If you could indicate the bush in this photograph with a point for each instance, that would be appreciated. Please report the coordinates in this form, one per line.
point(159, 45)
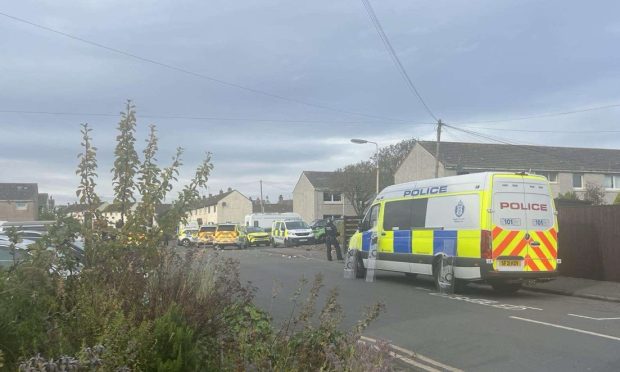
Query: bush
point(132, 304)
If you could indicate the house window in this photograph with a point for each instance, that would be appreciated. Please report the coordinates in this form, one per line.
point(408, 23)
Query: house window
point(214, 209)
point(577, 180)
point(209, 209)
point(21, 206)
point(332, 197)
point(612, 181)
point(551, 176)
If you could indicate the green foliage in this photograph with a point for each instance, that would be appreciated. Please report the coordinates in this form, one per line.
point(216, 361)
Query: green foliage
point(133, 304)
point(595, 194)
point(126, 160)
point(390, 158)
point(569, 195)
point(617, 199)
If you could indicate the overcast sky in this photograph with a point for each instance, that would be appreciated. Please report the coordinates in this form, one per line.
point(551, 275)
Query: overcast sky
point(471, 61)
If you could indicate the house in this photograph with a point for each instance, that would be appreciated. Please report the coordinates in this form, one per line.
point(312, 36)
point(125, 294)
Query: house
point(282, 206)
point(316, 196)
point(19, 201)
point(46, 203)
point(230, 206)
point(112, 212)
point(77, 211)
point(567, 168)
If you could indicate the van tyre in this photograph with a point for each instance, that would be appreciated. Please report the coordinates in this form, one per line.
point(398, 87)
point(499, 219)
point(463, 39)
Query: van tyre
point(358, 264)
point(186, 242)
point(506, 287)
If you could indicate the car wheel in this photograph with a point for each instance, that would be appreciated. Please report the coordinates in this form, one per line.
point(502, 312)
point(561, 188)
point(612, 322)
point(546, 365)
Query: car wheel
point(186, 242)
point(506, 287)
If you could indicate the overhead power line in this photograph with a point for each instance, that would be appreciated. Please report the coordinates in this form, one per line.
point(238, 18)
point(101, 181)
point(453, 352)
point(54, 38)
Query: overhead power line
point(192, 73)
point(547, 131)
point(537, 116)
point(394, 56)
point(204, 118)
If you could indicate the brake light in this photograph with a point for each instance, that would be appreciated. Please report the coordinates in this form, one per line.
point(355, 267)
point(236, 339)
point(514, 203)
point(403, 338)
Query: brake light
point(486, 241)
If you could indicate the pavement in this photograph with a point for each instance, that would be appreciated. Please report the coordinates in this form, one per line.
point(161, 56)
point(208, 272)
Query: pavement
point(579, 287)
point(478, 330)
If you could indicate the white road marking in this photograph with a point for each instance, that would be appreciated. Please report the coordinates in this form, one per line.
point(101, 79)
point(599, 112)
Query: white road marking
point(424, 289)
point(484, 302)
point(410, 358)
point(568, 328)
point(589, 317)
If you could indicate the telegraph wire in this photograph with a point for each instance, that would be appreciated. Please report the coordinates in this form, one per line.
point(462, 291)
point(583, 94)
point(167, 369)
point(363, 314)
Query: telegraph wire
point(388, 45)
point(205, 118)
point(537, 116)
point(192, 73)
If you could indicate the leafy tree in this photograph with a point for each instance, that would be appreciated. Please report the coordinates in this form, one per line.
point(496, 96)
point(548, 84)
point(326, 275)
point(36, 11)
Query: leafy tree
point(126, 160)
point(87, 170)
point(390, 158)
point(148, 179)
point(594, 194)
point(358, 184)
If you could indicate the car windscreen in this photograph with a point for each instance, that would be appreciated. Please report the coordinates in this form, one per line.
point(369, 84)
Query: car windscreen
point(208, 228)
point(226, 228)
point(251, 229)
point(292, 225)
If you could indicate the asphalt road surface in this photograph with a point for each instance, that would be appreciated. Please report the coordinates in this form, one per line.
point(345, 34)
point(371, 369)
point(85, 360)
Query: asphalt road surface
point(477, 330)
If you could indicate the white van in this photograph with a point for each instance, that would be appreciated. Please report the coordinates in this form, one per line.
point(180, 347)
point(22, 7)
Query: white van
point(499, 227)
point(265, 220)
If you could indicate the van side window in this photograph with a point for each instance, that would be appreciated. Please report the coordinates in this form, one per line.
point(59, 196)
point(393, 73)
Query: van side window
point(405, 214)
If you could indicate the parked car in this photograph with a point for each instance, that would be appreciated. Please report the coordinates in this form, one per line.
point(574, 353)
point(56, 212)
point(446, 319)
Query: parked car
point(206, 234)
point(229, 234)
point(289, 233)
point(255, 236)
point(187, 237)
point(318, 229)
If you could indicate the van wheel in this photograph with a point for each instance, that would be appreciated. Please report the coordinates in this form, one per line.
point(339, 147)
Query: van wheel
point(273, 243)
point(505, 287)
point(436, 274)
point(286, 243)
point(360, 271)
point(186, 242)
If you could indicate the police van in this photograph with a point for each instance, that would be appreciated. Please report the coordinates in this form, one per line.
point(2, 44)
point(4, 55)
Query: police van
point(500, 228)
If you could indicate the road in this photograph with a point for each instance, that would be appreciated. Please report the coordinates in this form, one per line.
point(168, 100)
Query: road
point(478, 330)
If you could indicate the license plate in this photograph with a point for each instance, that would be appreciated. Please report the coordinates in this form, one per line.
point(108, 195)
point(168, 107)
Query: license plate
point(303, 240)
point(510, 265)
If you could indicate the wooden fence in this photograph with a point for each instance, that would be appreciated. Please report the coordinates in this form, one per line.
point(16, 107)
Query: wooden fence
point(350, 225)
point(589, 241)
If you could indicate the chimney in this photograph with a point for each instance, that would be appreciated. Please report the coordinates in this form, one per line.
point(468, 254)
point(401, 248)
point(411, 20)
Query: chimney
point(210, 195)
point(280, 198)
point(229, 189)
point(221, 191)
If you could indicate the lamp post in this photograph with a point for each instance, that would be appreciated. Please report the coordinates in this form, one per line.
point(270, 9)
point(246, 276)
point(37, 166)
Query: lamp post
point(362, 142)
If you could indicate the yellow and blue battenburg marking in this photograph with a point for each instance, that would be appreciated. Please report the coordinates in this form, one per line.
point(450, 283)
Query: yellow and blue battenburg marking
point(429, 242)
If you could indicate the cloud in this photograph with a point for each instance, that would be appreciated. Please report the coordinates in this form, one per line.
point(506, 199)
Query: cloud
point(474, 60)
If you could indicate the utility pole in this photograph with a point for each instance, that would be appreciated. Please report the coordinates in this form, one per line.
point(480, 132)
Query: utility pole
point(439, 124)
point(262, 207)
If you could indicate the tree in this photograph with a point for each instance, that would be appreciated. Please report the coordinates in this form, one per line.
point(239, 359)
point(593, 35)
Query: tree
point(594, 194)
point(87, 170)
point(357, 182)
point(126, 160)
point(148, 180)
point(390, 158)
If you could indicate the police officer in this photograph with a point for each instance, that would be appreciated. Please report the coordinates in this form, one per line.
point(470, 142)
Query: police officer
point(331, 234)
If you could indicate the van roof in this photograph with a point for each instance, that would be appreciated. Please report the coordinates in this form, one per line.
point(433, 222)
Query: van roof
point(462, 183)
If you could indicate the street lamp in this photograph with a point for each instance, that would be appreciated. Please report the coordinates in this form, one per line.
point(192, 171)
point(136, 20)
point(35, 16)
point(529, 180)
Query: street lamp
point(362, 142)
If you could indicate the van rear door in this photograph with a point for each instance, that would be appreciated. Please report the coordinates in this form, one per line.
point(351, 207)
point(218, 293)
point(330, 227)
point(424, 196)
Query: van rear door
point(509, 223)
point(540, 224)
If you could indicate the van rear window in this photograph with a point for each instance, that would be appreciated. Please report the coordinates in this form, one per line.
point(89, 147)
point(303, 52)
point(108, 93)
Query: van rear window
point(404, 214)
point(226, 228)
point(208, 228)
